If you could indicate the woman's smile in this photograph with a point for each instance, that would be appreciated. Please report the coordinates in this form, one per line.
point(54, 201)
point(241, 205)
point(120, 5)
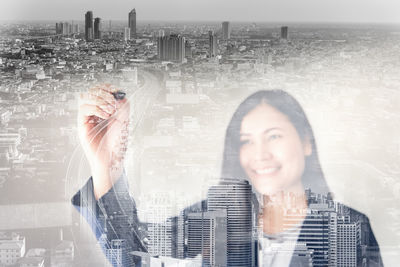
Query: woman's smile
point(266, 171)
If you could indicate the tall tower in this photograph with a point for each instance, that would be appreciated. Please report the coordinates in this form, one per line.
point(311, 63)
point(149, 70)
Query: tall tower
point(347, 241)
point(132, 23)
point(127, 34)
point(89, 26)
point(226, 30)
point(97, 28)
point(207, 235)
point(162, 236)
point(284, 32)
point(318, 233)
point(212, 40)
point(171, 47)
point(234, 196)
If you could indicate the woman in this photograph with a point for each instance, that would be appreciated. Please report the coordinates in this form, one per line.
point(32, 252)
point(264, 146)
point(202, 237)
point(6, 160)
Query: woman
point(270, 151)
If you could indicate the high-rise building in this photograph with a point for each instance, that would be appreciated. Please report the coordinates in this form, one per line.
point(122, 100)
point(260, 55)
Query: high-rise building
point(89, 29)
point(97, 28)
point(162, 236)
point(76, 28)
point(64, 28)
point(226, 30)
point(207, 235)
point(171, 47)
point(235, 197)
point(124, 236)
point(284, 32)
point(317, 235)
point(213, 44)
point(127, 34)
point(58, 28)
point(188, 50)
point(347, 242)
point(132, 23)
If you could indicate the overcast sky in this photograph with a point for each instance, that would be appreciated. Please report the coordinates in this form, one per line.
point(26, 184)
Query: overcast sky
point(372, 11)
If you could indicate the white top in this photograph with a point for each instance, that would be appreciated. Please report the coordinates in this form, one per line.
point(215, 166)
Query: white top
point(277, 250)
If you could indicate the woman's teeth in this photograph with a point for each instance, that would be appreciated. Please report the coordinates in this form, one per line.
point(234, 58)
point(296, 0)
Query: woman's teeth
point(266, 171)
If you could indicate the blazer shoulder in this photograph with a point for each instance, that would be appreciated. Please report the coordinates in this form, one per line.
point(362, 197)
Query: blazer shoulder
point(365, 228)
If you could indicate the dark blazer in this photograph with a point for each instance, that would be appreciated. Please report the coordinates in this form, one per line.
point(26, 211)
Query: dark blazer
point(114, 216)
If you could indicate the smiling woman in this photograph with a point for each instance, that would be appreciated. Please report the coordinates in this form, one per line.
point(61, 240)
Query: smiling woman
point(265, 210)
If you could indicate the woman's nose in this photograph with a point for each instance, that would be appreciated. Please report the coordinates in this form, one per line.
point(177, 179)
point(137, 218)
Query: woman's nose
point(262, 151)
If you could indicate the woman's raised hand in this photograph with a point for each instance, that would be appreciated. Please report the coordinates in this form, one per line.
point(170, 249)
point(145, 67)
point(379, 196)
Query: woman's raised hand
point(103, 132)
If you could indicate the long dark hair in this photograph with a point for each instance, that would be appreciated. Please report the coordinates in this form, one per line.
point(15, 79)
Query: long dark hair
point(313, 176)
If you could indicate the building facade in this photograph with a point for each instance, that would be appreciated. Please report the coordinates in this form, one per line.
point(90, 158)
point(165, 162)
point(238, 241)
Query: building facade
point(171, 48)
point(226, 30)
point(89, 29)
point(132, 23)
point(97, 28)
point(213, 44)
point(235, 198)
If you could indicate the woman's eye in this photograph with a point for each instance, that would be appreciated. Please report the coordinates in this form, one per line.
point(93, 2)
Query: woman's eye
point(244, 142)
point(274, 136)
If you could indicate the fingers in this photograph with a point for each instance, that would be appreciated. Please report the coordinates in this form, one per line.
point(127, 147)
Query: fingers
point(102, 93)
point(87, 110)
point(100, 102)
point(89, 99)
point(99, 96)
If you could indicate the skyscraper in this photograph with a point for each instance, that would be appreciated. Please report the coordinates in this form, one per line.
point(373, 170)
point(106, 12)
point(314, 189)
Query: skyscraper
point(64, 28)
point(171, 47)
point(347, 242)
point(319, 235)
point(58, 28)
point(226, 30)
point(284, 32)
point(76, 28)
point(234, 196)
point(188, 50)
point(162, 236)
point(127, 34)
point(213, 44)
point(89, 34)
point(207, 234)
point(97, 28)
point(132, 23)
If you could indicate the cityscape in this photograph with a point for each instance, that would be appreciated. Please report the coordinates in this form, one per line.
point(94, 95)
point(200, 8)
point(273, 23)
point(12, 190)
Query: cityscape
point(331, 235)
point(184, 80)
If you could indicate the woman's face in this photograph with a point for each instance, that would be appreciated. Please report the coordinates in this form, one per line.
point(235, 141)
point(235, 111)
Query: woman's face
point(272, 153)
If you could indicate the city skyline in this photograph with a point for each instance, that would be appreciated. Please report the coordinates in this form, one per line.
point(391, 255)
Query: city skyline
point(184, 81)
point(341, 11)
